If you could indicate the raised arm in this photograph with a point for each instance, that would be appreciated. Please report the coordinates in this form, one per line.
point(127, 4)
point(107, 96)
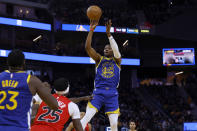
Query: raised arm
point(36, 86)
point(91, 52)
point(113, 43)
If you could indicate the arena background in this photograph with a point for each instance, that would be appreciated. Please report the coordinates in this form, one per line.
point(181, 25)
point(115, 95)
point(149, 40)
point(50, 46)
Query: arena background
point(155, 96)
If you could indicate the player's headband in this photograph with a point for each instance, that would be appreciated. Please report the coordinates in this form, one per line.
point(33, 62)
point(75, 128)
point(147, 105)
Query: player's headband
point(63, 92)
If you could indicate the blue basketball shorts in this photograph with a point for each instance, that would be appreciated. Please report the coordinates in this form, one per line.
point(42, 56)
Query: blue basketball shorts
point(106, 97)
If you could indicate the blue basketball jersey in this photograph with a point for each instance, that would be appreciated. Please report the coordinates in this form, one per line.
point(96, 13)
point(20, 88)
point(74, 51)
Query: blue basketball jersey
point(107, 74)
point(15, 99)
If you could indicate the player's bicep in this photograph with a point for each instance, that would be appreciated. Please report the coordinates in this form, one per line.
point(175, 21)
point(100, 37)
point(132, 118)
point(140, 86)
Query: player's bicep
point(118, 61)
point(75, 115)
point(73, 110)
point(34, 112)
point(93, 54)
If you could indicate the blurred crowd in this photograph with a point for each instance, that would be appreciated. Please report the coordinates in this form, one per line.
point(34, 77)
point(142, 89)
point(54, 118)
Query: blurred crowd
point(123, 13)
point(69, 12)
point(127, 13)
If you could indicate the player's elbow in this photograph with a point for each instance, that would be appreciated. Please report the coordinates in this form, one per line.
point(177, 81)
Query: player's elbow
point(87, 47)
point(117, 55)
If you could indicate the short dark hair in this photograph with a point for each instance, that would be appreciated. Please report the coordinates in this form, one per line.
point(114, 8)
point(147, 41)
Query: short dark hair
point(61, 84)
point(131, 121)
point(16, 58)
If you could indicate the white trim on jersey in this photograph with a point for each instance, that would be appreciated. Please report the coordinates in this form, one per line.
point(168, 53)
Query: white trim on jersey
point(29, 114)
point(63, 92)
point(114, 47)
point(37, 99)
point(119, 79)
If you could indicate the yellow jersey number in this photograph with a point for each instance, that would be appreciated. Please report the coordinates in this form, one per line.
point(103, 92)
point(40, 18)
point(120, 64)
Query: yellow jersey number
point(12, 99)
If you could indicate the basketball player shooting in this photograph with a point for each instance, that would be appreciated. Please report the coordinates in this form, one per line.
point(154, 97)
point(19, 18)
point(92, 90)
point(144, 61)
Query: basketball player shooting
point(106, 79)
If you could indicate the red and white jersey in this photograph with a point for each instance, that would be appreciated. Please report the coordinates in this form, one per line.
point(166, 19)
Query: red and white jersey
point(57, 119)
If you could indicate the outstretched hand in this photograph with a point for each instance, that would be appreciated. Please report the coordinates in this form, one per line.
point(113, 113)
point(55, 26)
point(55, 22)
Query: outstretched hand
point(93, 24)
point(108, 27)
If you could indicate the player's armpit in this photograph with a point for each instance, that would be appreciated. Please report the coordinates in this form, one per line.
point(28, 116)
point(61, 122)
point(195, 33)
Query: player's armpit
point(91, 52)
point(36, 85)
point(118, 61)
point(77, 125)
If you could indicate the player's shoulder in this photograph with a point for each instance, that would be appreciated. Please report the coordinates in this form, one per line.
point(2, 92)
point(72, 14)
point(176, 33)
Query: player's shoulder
point(117, 61)
point(3, 72)
point(64, 98)
point(72, 105)
point(33, 79)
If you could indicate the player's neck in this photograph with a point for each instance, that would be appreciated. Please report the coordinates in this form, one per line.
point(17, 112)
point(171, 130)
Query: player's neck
point(109, 57)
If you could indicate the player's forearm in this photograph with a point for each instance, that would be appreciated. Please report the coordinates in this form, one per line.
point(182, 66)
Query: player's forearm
point(108, 34)
point(76, 100)
point(114, 46)
point(77, 125)
point(89, 41)
point(69, 128)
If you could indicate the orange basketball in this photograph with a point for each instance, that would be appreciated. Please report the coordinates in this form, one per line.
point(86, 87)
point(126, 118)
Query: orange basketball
point(94, 12)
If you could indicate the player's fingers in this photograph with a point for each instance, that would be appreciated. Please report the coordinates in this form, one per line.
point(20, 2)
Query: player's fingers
point(90, 22)
point(94, 22)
